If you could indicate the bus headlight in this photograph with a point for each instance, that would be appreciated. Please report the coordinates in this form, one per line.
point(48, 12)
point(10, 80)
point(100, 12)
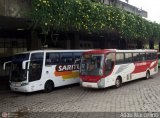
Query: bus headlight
point(24, 84)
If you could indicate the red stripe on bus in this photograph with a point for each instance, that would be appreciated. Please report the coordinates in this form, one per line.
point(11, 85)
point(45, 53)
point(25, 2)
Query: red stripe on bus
point(143, 66)
point(91, 78)
point(154, 65)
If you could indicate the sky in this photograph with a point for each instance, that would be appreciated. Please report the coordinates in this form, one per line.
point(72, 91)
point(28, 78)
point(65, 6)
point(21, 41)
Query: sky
point(151, 6)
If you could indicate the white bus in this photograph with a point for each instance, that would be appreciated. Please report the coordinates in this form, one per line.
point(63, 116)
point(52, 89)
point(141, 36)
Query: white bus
point(44, 69)
point(108, 67)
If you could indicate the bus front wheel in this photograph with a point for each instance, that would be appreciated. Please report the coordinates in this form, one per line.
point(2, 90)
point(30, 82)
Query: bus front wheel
point(118, 82)
point(48, 86)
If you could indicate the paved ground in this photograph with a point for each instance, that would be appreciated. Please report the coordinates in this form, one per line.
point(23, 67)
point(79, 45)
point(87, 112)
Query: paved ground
point(72, 101)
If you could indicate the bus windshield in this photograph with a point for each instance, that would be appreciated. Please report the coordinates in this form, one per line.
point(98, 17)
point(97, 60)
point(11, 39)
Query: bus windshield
point(17, 73)
point(91, 64)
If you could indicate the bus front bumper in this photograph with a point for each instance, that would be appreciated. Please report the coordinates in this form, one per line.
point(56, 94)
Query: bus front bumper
point(99, 84)
point(20, 88)
point(89, 85)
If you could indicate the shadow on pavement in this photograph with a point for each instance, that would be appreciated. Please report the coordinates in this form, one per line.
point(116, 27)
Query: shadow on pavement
point(4, 83)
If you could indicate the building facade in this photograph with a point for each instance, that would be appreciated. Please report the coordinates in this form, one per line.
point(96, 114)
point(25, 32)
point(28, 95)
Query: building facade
point(16, 34)
point(125, 6)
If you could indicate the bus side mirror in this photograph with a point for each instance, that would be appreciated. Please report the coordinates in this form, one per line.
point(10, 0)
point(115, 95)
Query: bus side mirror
point(77, 61)
point(24, 64)
point(106, 61)
point(4, 65)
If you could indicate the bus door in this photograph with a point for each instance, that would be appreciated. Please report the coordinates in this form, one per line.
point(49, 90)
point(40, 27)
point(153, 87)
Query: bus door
point(35, 66)
point(109, 63)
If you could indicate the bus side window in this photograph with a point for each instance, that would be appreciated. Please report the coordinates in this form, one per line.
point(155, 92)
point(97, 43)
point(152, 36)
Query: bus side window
point(77, 57)
point(149, 56)
point(35, 67)
point(109, 62)
point(154, 56)
point(120, 58)
point(52, 58)
point(128, 57)
point(66, 58)
point(136, 57)
point(142, 56)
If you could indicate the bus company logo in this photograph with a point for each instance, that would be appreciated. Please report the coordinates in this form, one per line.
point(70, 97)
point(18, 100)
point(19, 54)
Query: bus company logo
point(4, 115)
point(67, 71)
point(61, 68)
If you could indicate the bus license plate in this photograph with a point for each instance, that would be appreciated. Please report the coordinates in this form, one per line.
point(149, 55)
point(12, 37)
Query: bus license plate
point(18, 84)
point(89, 85)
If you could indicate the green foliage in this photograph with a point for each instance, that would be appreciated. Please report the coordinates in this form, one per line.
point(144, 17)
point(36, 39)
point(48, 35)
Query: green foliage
point(85, 15)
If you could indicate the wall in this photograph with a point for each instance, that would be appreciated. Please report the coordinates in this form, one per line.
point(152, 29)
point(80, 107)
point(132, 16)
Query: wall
point(132, 9)
point(14, 8)
point(127, 7)
point(2, 7)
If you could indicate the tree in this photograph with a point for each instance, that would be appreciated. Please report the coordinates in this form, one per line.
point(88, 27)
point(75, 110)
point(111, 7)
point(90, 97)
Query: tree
point(91, 17)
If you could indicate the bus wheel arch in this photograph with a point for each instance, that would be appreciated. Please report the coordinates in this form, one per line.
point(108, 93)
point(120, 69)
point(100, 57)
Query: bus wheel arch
point(147, 74)
point(48, 86)
point(118, 82)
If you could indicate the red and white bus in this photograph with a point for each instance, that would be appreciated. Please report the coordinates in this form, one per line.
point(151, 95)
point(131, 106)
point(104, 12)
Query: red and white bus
point(108, 67)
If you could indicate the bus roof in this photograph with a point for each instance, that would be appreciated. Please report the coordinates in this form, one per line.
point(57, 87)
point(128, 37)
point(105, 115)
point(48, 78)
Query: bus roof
point(51, 50)
point(102, 51)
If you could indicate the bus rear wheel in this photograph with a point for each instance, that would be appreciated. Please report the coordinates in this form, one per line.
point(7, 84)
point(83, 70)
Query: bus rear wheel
point(118, 82)
point(48, 86)
point(147, 75)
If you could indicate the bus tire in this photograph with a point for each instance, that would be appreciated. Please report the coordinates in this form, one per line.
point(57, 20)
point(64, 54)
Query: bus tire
point(48, 87)
point(118, 82)
point(147, 75)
